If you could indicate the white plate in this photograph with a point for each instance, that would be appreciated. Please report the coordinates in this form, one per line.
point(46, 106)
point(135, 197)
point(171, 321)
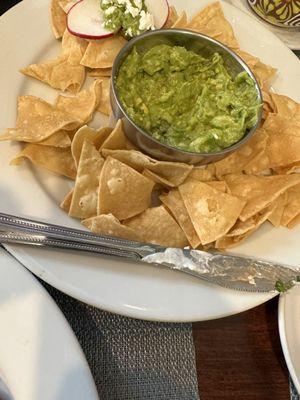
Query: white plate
point(40, 357)
point(289, 329)
point(134, 290)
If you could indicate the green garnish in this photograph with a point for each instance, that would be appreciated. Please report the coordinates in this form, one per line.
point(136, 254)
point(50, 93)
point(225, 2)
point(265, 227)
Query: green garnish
point(283, 287)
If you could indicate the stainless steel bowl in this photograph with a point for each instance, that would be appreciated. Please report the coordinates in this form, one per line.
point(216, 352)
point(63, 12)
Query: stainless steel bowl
point(200, 44)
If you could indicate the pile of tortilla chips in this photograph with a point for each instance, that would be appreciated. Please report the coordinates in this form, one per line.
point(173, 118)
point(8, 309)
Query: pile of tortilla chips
point(122, 192)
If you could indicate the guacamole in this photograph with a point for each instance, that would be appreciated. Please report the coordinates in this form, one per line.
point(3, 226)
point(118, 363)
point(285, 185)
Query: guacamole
point(185, 100)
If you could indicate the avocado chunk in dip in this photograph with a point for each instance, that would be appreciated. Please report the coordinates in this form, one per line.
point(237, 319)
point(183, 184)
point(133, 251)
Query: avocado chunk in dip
point(185, 100)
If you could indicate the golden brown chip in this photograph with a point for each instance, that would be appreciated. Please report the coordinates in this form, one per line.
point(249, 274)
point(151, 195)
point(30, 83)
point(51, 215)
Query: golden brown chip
point(66, 203)
point(294, 222)
point(54, 159)
point(173, 201)
point(181, 21)
point(211, 22)
point(116, 140)
point(283, 145)
point(66, 4)
point(201, 174)
point(171, 171)
point(158, 179)
point(83, 105)
point(286, 107)
point(259, 191)
point(102, 53)
point(58, 19)
point(292, 206)
point(276, 215)
point(212, 212)
point(85, 196)
point(172, 17)
point(219, 185)
point(123, 191)
point(268, 104)
point(99, 72)
point(109, 225)
point(289, 169)
point(104, 103)
point(58, 139)
point(58, 73)
point(38, 120)
point(74, 47)
point(264, 73)
point(155, 225)
point(95, 137)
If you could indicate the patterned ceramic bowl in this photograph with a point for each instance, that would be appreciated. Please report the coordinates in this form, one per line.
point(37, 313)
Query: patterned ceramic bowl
point(282, 13)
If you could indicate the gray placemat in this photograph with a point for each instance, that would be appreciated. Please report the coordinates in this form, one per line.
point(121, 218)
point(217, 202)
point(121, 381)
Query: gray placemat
point(132, 359)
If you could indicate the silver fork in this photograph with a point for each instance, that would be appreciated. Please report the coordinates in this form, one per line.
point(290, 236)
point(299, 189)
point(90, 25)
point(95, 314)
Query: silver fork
point(227, 270)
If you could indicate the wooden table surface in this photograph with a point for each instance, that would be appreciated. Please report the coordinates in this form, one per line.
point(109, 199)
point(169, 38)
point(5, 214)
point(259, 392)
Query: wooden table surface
point(240, 357)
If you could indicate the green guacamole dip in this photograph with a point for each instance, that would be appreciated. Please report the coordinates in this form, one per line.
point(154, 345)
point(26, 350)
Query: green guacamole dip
point(185, 100)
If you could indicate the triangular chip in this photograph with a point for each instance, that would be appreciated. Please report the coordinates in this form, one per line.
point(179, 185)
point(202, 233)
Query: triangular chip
point(294, 222)
point(268, 104)
point(212, 212)
point(155, 225)
point(109, 225)
point(171, 171)
point(104, 103)
point(54, 159)
point(38, 120)
point(102, 53)
point(158, 179)
point(74, 47)
point(292, 206)
point(289, 169)
point(83, 105)
point(95, 137)
point(181, 21)
point(276, 215)
point(201, 174)
point(99, 72)
point(173, 201)
point(286, 107)
point(58, 139)
point(219, 185)
point(172, 18)
point(58, 19)
point(123, 192)
point(116, 140)
point(85, 196)
point(66, 203)
point(211, 22)
point(67, 4)
point(259, 191)
point(58, 73)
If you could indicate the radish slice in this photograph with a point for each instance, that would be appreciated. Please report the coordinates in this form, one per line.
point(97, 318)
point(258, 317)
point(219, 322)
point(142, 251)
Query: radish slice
point(160, 11)
point(85, 19)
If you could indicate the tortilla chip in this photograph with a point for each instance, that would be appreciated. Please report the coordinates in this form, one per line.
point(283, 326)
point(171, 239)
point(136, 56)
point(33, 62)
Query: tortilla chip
point(95, 137)
point(38, 120)
point(104, 103)
point(158, 179)
point(116, 140)
point(294, 222)
point(212, 22)
point(289, 169)
point(99, 72)
point(85, 196)
point(83, 105)
point(259, 191)
point(102, 53)
point(171, 171)
point(172, 17)
point(286, 107)
point(276, 215)
point(58, 139)
point(66, 203)
point(109, 225)
point(212, 212)
point(283, 145)
point(264, 73)
point(123, 191)
point(268, 104)
point(292, 206)
point(54, 159)
point(66, 4)
point(249, 158)
point(74, 47)
point(173, 201)
point(58, 73)
point(201, 174)
point(155, 225)
point(58, 19)
point(181, 21)
point(219, 185)
point(243, 230)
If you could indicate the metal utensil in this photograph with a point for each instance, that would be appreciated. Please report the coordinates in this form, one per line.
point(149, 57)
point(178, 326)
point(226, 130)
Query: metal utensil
point(227, 270)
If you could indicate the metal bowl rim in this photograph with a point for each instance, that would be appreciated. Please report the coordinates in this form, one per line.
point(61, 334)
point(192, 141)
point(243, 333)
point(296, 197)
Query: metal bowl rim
point(187, 32)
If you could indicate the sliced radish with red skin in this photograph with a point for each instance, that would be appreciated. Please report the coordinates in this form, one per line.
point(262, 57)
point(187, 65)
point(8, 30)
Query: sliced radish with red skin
point(160, 11)
point(85, 19)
